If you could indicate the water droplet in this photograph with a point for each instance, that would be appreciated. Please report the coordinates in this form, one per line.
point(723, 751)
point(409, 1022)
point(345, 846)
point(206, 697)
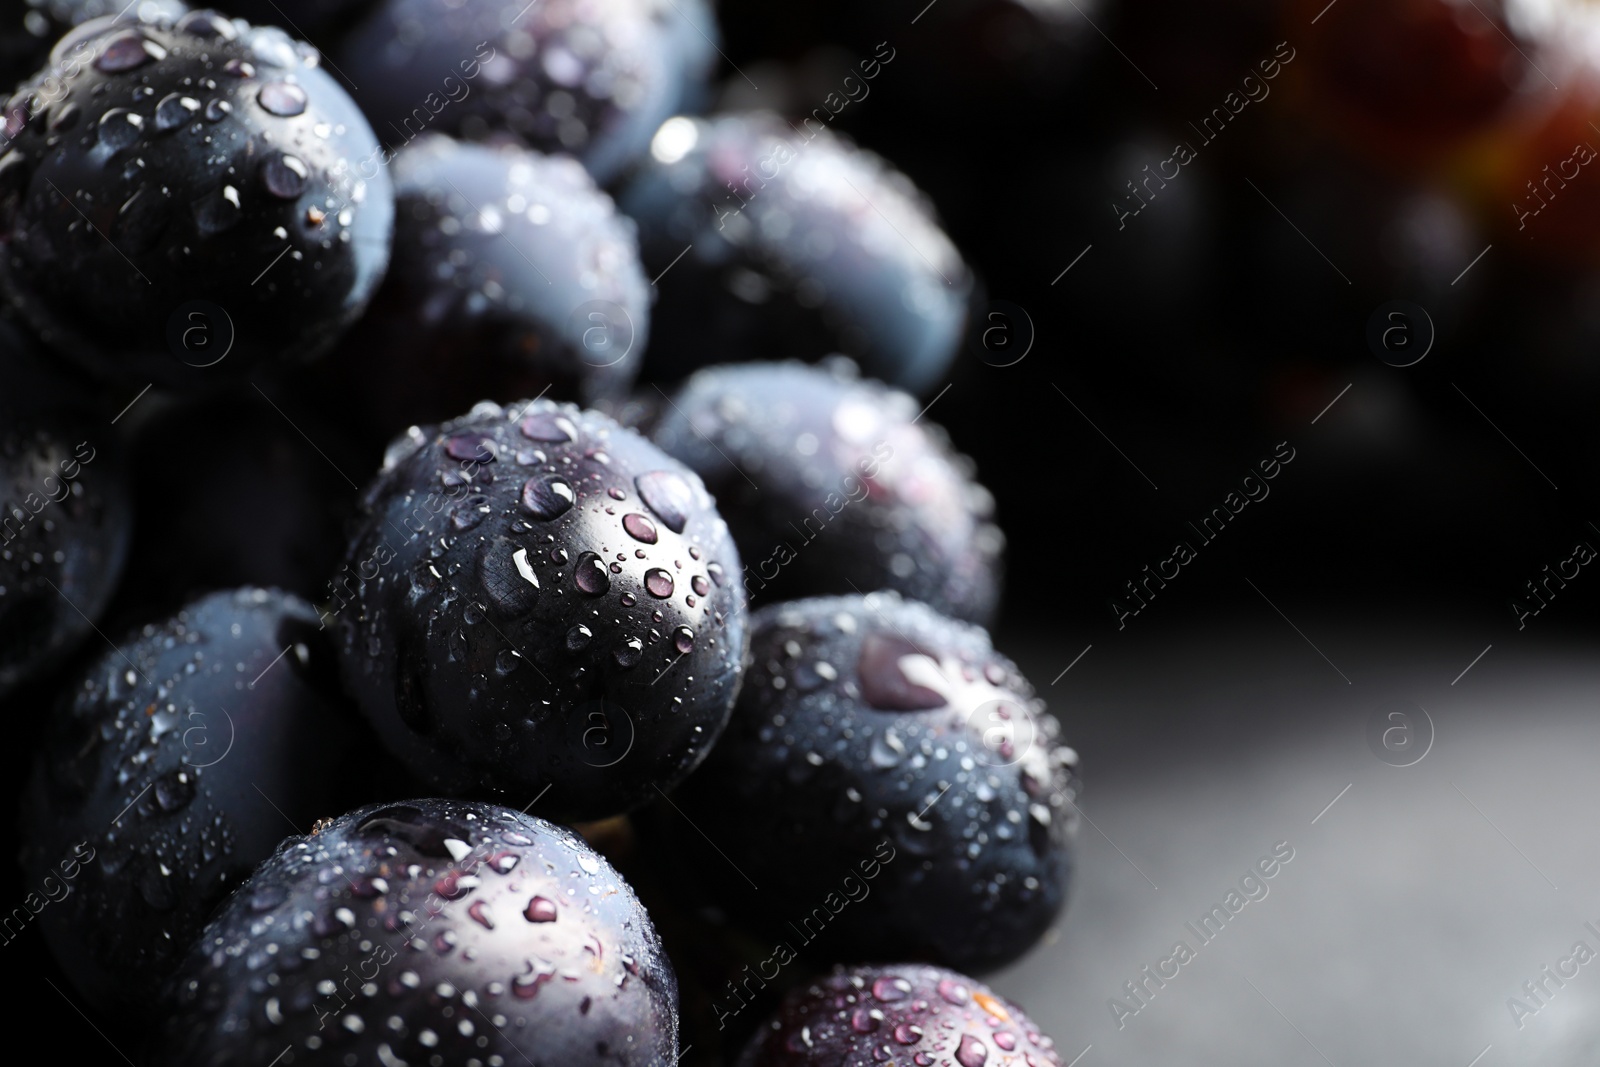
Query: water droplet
point(174, 110)
point(658, 582)
point(669, 496)
point(548, 426)
point(887, 750)
point(120, 128)
point(548, 497)
point(218, 212)
point(525, 986)
point(127, 50)
point(476, 447)
point(866, 1020)
point(627, 653)
point(907, 1034)
point(683, 640)
point(1006, 1040)
point(217, 110)
point(541, 910)
point(480, 914)
point(284, 176)
point(174, 790)
point(971, 1052)
point(578, 638)
point(470, 513)
point(952, 991)
point(883, 684)
point(239, 68)
point(283, 99)
point(455, 885)
point(591, 575)
point(639, 528)
point(890, 990)
point(699, 584)
point(207, 24)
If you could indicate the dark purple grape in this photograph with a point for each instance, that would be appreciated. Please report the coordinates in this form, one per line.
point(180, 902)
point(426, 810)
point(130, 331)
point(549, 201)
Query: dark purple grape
point(511, 274)
point(65, 516)
point(591, 78)
point(430, 931)
point(179, 760)
point(185, 200)
point(794, 243)
point(832, 484)
point(909, 1013)
point(882, 753)
point(542, 604)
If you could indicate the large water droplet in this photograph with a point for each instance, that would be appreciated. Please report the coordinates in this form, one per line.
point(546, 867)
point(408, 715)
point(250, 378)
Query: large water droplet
point(890, 990)
point(591, 575)
point(476, 447)
point(639, 528)
point(525, 986)
point(127, 51)
point(548, 497)
point(971, 1052)
point(283, 99)
point(210, 25)
point(174, 110)
point(174, 790)
point(120, 128)
point(218, 212)
point(550, 427)
point(658, 583)
point(887, 750)
point(541, 910)
point(669, 496)
point(683, 640)
point(866, 1020)
point(627, 652)
point(578, 638)
point(883, 684)
point(284, 176)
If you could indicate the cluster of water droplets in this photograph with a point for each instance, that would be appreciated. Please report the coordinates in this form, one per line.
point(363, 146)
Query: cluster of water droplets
point(551, 558)
point(236, 104)
point(924, 1016)
point(439, 932)
point(872, 495)
point(830, 677)
point(519, 234)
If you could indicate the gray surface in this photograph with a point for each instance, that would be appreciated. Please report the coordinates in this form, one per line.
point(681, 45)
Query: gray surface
point(1405, 920)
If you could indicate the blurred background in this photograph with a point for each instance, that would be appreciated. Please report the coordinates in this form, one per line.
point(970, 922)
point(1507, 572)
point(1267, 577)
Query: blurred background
point(1209, 234)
